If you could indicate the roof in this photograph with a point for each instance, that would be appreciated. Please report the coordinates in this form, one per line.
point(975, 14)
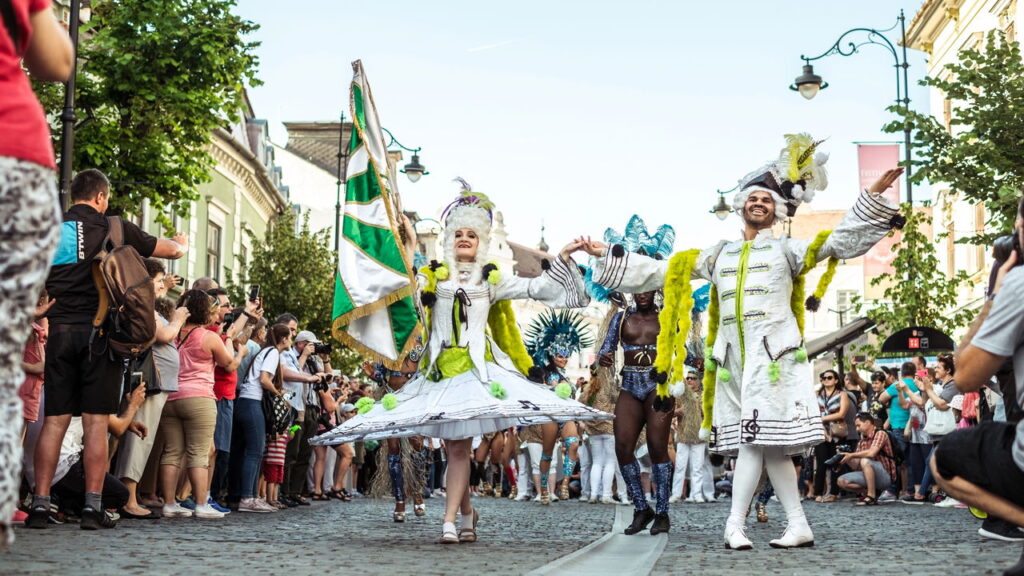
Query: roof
point(528, 260)
point(317, 142)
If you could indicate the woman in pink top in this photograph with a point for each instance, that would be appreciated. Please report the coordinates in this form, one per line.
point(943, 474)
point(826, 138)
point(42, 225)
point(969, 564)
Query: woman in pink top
point(190, 414)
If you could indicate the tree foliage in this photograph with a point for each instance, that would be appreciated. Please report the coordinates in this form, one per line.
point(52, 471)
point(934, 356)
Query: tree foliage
point(155, 78)
point(295, 270)
point(981, 155)
point(918, 293)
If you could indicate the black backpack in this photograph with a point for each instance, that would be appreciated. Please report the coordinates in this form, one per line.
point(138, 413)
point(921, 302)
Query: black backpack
point(897, 453)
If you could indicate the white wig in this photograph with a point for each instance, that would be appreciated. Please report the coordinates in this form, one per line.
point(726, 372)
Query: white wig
point(470, 210)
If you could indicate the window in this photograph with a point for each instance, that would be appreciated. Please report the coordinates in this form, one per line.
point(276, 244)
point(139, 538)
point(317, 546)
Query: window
point(844, 305)
point(213, 236)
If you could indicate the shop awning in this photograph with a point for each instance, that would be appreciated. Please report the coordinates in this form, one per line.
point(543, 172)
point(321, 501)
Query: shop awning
point(841, 337)
point(918, 340)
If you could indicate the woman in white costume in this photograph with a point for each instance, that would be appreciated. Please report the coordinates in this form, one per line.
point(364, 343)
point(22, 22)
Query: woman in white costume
point(758, 396)
point(471, 381)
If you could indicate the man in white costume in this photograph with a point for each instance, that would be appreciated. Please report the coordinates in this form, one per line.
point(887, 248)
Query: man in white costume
point(757, 374)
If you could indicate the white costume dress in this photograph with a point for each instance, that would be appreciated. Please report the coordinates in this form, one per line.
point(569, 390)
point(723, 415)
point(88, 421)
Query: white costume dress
point(757, 325)
point(461, 405)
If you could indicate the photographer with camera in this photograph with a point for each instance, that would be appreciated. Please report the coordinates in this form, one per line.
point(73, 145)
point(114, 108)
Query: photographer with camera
point(873, 465)
point(302, 368)
point(984, 465)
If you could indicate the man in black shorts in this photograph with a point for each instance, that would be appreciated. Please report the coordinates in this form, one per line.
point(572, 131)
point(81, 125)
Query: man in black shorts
point(83, 377)
point(984, 465)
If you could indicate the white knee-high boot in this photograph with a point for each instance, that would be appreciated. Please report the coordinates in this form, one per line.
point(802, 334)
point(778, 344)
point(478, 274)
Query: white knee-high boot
point(744, 483)
point(782, 473)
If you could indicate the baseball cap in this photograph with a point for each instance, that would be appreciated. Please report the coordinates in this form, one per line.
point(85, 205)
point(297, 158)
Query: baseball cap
point(348, 407)
point(306, 336)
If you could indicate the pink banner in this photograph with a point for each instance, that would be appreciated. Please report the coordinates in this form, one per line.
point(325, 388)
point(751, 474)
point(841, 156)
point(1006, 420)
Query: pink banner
point(874, 160)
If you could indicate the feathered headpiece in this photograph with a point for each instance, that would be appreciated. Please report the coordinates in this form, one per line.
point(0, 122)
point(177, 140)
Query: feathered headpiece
point(792, 179)
point(559, 333)
point(634, 238)
point(472, 210)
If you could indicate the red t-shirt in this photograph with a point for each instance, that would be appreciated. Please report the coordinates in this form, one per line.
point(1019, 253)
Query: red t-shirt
point(225, 384)
point(26, 135)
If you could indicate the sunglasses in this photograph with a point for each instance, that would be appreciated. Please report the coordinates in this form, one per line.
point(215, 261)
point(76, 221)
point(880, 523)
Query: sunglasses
point(691, 377)
point(827, 378)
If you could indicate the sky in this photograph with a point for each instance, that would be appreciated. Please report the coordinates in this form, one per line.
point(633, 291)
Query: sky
point(575, 115)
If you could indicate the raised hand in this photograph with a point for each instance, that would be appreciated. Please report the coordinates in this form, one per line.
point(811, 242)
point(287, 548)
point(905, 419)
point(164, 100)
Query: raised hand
point(595, 248)
point(886, 181)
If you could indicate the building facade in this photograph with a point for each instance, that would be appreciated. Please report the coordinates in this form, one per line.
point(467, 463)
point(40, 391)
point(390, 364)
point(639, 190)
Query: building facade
point(234, 209)
point(942, 29)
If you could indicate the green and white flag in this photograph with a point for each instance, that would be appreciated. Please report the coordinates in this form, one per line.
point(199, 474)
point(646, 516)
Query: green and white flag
point(374, 310)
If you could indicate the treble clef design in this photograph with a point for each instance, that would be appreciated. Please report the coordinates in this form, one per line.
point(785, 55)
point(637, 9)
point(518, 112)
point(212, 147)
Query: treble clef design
point(751, 428)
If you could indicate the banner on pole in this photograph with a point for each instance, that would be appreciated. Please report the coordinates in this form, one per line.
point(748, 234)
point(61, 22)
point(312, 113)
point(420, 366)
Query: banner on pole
point(873, 160)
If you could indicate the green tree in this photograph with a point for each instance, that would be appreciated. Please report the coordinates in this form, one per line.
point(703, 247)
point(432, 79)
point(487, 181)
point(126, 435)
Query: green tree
point(980, 155)
point(156, 77)
point(295, 269)
point(917, 293)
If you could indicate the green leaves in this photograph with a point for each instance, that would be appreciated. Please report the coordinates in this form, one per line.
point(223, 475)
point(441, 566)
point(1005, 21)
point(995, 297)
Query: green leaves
point(981, 155)
point(295, 270)
point(918, 292)
point(155, 78)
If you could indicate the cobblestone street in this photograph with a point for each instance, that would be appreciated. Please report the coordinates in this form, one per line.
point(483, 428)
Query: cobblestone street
point(359, 537)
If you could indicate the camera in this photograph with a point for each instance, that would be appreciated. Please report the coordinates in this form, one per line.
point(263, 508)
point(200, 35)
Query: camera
point(1003, 245)
point(324, 384)
point(254, 292)
point(323, 348)
point(841, 450)
point(229, 319)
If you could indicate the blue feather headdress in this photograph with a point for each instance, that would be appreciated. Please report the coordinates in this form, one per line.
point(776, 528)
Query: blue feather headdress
point(635, 238)
point(560, 333)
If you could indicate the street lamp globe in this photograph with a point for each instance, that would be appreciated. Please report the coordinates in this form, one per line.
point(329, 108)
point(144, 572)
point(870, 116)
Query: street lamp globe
point(722, 210)
point(414, 170)
point(808, 84)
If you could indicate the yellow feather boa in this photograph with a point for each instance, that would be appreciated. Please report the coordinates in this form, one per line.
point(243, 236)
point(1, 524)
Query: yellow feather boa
point(502, 322)
point(796, 300)
point(710, 369)
point(674, 320)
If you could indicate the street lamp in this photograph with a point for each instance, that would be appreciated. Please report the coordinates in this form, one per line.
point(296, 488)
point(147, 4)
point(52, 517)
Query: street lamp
point(722, 208)
point(808, 84)
point(414, 170)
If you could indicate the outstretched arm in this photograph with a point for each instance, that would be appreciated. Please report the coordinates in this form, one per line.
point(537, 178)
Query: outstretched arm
point(559, 286)
point(871, 219)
